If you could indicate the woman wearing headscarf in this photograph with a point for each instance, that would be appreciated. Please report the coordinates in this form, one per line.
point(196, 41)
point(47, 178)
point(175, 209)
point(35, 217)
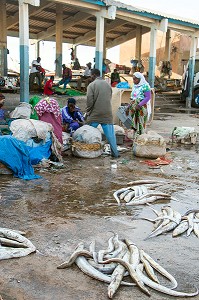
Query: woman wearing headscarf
point(48, 110)
point(72, 117)
point(139, 107)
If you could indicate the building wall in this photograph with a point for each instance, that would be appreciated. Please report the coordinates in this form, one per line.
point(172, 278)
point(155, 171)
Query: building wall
point(179, 51)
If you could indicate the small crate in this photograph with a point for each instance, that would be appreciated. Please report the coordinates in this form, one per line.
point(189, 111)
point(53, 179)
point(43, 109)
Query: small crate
point(126, 120)
point(119, 138)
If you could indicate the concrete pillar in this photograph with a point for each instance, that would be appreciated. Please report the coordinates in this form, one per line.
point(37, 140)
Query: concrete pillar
point(24, 51)
point(99, 42)
point(59, 39)
point(75, 52)
point(105, 31)
point(3, 40)
point(192, 57)
point(37, 45)
point(152, 56)
point(167, 45)
point(138, 43)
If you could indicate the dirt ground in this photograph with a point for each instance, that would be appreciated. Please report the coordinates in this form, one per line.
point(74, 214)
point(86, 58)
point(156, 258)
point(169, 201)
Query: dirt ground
point(70, 205)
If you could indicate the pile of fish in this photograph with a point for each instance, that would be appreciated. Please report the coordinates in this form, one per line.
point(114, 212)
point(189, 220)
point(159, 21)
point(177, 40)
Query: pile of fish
point(138, 194)
point(14, 244)
point(169, 219)
point(123, 258)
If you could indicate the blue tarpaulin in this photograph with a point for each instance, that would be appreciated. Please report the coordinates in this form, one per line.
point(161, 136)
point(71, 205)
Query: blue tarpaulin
point(15, 155)
point(39, 152)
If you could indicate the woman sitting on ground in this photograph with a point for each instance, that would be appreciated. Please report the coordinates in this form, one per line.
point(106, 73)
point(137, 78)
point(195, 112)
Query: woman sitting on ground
point(72, 117)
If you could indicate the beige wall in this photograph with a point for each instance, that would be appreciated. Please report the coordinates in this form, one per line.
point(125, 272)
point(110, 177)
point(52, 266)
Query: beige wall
point(180, 45)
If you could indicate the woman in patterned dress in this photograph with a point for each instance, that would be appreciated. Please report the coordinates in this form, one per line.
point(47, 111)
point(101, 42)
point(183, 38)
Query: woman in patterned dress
point(139, 107)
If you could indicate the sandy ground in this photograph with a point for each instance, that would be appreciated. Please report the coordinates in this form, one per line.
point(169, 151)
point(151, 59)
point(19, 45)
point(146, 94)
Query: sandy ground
point(70, 205)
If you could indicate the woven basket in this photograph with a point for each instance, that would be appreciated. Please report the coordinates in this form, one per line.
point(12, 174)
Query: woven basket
point(85, 147)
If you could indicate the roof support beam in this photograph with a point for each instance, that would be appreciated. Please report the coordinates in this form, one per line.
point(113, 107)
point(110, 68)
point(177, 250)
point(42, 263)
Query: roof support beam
point(181, 29)
point(91, 34)
point(67, 23)
point(140, 20)
point(130, 35)
point(11, 21)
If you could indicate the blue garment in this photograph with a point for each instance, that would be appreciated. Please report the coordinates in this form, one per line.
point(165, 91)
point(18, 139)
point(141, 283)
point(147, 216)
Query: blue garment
point(64, 82)
point(17, 158)
point(2, 114)
point(68, 117)
point(110, 135)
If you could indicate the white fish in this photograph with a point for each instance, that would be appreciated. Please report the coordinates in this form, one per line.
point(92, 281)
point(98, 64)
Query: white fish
point(162, 288)
point(181, 228)
point(10, 252)
point(117, 276)
point(117, 193)
point(84, 265)
point(131, 271)
point(196, 229)
point(160, 269)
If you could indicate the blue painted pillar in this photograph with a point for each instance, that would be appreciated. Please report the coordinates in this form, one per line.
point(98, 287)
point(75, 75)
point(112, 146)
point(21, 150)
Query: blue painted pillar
point(152, 56)
point(3, 40)
point(99, 42)
point(24, 51)
point(59, 38)
point(192, 58)
point(24, 47)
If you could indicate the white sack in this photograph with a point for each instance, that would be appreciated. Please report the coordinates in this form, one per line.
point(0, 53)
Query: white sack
point(22, 111)
point(87, 134)
point(23, 129)
point(150, 145)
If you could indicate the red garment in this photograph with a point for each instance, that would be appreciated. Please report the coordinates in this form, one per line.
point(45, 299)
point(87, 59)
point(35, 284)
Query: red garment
point(48, 88)
point(49, 117)
point(67, 73)
point(48, 111)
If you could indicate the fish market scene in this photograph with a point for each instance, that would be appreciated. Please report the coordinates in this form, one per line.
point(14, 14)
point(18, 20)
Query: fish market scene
point(99, 145)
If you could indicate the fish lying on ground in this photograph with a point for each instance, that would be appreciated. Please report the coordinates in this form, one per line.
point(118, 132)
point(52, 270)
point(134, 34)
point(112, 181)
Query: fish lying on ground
point(13, 244)
point(124, 258)
point(139, 194)
point(169, 219)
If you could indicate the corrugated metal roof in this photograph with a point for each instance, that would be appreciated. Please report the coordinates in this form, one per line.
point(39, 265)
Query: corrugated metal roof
point(146, 10)
point(80, 21)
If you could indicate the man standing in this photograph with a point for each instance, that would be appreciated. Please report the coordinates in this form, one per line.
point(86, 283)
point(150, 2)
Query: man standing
point(35, 73)
point(99, 110)
point(66, 76)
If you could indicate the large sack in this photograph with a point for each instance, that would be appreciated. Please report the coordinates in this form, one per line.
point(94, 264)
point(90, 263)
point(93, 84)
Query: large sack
point(87, 134)
point(150, 145)
point(22, 111)
point(87, 142)
point(184, 135)
point(23, 130)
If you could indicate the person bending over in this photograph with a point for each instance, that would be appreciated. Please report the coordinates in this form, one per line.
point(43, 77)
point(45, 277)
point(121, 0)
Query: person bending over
point(72, 117)
point(99, 109)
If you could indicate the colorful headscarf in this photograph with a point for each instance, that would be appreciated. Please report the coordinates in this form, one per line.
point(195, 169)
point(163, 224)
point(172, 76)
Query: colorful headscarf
point(49, 105)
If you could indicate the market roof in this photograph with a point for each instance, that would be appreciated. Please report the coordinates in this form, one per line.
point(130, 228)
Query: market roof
point(150, 11)
point(79, 21)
